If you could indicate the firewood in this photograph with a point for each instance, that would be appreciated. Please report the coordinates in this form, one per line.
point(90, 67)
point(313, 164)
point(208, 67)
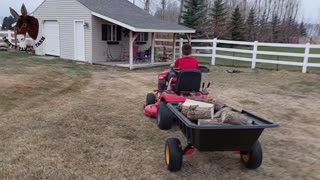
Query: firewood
point(196, 112)
point(208, 122)
point(228, 116)
point(230, 103)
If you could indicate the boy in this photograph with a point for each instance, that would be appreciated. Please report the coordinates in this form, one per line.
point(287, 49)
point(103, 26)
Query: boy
point(187, 62)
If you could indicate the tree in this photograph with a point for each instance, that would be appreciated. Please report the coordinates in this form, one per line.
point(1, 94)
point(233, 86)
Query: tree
point(275, 28)
point(195, 13)
point(251, 26)
point(219, 17)
point(7, 23)
point(237, 26)
point(168, 12)
point(302, 30)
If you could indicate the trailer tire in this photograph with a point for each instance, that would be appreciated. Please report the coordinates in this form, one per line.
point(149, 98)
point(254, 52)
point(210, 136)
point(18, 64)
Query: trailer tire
point(252, 159)
point(165, 117)
point(151, 99)
point(173, 154)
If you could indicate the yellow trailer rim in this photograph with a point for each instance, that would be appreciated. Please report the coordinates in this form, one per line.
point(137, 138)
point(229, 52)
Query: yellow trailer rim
point(167, 153)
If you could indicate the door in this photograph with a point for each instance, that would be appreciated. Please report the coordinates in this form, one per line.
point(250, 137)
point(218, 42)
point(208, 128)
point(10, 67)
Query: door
point(79, 45)
point(52, 35)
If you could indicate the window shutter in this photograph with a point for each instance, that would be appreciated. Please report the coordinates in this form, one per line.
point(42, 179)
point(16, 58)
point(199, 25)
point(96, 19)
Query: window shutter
point(146, 36)
point(119, 33)
point(104, 32)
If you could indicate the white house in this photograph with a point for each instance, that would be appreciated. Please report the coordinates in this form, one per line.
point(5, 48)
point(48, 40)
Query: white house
point(99, 31)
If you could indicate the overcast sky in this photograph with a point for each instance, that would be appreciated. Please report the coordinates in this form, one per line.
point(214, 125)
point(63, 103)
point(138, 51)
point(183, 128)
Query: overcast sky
point(310, 11)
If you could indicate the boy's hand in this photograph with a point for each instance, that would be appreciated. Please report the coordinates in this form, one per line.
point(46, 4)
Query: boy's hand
point(172, 65)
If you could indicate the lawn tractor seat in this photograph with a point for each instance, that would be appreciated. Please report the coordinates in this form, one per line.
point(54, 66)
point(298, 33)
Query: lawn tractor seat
point(188, 81)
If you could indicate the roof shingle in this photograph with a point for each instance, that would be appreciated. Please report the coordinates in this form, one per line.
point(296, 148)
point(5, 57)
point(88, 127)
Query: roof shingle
point(127, 13)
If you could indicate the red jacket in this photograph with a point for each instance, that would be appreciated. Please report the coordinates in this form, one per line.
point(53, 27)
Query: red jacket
point(186, 63)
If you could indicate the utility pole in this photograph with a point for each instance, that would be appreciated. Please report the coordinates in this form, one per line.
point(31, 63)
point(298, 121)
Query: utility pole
point(181, 11)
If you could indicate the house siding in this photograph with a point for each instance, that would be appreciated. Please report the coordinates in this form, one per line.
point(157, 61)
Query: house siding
point(65, 12)
point(101, 51)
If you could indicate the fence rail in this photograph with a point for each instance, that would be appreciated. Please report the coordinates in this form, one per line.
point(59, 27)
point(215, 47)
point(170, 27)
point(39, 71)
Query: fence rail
point(8, 34)
point(252, 51)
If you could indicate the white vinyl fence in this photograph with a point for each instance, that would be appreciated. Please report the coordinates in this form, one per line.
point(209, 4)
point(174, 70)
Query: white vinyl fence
point(210, 51)
point(8, 34)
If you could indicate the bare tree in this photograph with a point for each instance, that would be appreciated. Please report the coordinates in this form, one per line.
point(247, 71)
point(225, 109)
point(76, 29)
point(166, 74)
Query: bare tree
point(169, 11)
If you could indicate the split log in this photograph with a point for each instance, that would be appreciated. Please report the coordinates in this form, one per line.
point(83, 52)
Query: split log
point(208, 122)
point(228, 116)
point(230, 103)
point(195, 110)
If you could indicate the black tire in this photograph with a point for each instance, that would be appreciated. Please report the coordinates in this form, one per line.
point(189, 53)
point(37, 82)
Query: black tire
point(252, 159)
point(165, 117)
point(173, 154)
point(151, 99)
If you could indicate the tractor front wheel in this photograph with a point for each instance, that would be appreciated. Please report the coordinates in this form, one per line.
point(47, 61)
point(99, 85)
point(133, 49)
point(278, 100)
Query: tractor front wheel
point(151, 99)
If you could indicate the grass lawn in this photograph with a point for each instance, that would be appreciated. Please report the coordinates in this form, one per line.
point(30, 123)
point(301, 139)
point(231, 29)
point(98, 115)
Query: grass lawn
point(232, 63)
point(64, 120)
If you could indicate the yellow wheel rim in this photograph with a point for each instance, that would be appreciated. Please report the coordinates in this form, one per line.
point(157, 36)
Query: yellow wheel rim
point(245, 157)
point(167, 153)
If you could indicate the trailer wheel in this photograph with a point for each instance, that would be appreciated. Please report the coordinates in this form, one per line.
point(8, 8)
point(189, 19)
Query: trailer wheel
point(252, 159)
point(151, 99)
point(173, 154)
point(164, 116)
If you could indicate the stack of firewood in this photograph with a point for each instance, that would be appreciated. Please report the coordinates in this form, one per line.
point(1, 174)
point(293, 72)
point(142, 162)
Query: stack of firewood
point(222, 111)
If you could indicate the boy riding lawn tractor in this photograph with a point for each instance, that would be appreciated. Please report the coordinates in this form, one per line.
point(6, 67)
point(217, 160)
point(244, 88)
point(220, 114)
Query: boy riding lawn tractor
point(174, 86)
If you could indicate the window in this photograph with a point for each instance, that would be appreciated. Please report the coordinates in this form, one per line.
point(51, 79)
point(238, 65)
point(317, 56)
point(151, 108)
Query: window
point(111, 32)
point(143, 37)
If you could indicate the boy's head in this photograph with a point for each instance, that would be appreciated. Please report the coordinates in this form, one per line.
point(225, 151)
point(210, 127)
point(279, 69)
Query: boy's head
point(187, 50)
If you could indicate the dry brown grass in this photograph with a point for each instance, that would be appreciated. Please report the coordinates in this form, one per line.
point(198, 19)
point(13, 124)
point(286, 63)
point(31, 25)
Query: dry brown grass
point(62, 120)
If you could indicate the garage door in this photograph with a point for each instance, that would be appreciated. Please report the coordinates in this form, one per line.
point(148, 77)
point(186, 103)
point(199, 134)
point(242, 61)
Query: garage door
point(52, 42)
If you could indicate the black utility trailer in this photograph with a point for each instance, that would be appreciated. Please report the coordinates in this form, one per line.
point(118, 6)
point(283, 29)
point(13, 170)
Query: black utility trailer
point(236, 138)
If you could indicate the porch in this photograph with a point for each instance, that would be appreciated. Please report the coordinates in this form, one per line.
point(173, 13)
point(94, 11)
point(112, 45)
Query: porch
point(140, 65)
point(121, 45)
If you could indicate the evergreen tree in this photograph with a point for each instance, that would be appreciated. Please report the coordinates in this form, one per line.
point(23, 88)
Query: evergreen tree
point(7, 23)
point(237, 26)
point(275, 28)
point(195, 13)
point(219, 17)
point(302, 30)
point(251, 25)
point(4, 23)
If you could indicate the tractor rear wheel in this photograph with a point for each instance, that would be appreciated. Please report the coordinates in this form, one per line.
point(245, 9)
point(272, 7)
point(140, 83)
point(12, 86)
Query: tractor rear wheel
point(165, 117)
point(252, 159)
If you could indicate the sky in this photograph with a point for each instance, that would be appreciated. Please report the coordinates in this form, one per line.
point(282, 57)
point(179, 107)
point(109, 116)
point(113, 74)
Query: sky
point(310, 10)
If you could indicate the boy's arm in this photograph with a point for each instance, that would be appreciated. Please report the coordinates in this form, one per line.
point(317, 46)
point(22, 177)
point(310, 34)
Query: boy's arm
point(176, 64)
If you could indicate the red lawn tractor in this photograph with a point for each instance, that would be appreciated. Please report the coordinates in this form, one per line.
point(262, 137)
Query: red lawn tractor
point(174, 86)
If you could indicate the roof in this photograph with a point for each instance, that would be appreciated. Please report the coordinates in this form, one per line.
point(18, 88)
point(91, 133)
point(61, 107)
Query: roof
point(128, 15)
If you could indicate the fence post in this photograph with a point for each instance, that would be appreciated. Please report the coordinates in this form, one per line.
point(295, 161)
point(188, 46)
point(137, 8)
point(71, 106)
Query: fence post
point(9, 36)
point(214, 46)
point(180, 47)
point(254, 55)
point(306, 58)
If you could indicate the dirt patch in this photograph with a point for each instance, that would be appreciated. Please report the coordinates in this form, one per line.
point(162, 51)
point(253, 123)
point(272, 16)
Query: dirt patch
point(70, 121)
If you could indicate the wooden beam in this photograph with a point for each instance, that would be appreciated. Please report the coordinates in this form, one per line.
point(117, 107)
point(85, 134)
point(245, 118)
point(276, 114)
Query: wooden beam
point(136, 36)
point(189, 38)
point(153, 44)
point(131, 40)
point(174, 47)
